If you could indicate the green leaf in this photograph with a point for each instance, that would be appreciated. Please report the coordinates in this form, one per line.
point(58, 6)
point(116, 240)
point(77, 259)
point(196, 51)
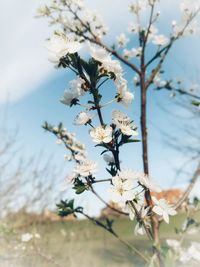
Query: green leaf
point(79, 187)
point(65, 207)
point(195, 103)
point(91, 68)
point(101, 145)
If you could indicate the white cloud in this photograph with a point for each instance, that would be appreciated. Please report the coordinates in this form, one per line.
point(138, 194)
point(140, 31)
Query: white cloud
point(24, 65)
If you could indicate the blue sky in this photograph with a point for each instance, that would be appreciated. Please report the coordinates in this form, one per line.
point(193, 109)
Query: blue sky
point(33, 87)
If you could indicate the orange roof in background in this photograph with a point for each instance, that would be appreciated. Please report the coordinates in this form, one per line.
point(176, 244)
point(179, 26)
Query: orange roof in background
point(172, 195)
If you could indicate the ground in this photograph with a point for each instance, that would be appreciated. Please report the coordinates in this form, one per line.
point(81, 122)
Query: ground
point(76, 243)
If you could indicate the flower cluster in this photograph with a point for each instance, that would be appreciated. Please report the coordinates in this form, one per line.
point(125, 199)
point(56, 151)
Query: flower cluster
point(74, 19)
point(101, 134)
point(60, 45)
point(127, 188)
point(124, 123)
point(76, 148)
point(28, 237)
point(85, 168)
point(185, 255)
point(71, 96)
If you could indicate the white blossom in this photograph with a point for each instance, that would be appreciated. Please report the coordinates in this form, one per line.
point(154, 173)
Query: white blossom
point(189, 7)
point(139, 228)
point(78, 3)
point(152, 32)
point(184, 256)
point(190, 254)
point(83, 118)
point(158, 82)
point(134, 52)
point(122, 189)
point(59, 46)
point(162, 208)
point(97, 25)
point(125, 97)
point(129, 209)
point(124, 123)
point(101, 55)
point(36, 235)
point(101, 134)
point(133, 27)
point(76, 86)
point(69, 97)
point(26, 237)
point(86, 168)
point(122, 40)
point(126, 175)
point(43, 11)
point(137, 7)
point(194, 251)
point(175, 244)
point(160, 40)
point(192, 231)
point(72, 95)
point(147, 182)
point(80, 156)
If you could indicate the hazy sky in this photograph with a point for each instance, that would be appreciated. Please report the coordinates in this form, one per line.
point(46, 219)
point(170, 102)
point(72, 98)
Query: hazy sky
point(33, 87)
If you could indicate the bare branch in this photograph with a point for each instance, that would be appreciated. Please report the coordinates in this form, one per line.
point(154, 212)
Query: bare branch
point(189, 188)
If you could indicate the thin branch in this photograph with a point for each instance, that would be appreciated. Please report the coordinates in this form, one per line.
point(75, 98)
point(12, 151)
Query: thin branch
point(180, 91)
point(111, 231)
point(107, 204)
point(101, 181)
point(189, 188)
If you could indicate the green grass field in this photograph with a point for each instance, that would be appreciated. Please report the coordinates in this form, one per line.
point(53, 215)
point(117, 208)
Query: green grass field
point(77, 243)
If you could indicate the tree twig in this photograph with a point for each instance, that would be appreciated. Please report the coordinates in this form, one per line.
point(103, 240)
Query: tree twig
point(189, 188)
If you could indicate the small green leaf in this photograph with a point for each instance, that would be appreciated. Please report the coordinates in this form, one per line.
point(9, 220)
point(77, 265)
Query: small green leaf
point(195, 103)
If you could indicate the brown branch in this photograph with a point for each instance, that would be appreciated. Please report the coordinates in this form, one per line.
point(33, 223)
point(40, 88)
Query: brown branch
point(189, 188)
point(101, 181)
point(158, 67)
point(181, 92)
point(107, 205)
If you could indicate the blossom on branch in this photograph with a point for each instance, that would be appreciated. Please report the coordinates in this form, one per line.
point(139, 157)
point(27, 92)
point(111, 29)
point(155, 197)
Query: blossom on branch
point(137, 7)
point(122, 40)
point(59, 46)
point(86, 168)
point(134, 52)
point(76, 90)
point(83, 118)
point(107, 63)
point(124, 96)
point(122, 189)
point(145, 220)
point(160, 40)
point(163, 209)
point(101, 134)
point(124, 123)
